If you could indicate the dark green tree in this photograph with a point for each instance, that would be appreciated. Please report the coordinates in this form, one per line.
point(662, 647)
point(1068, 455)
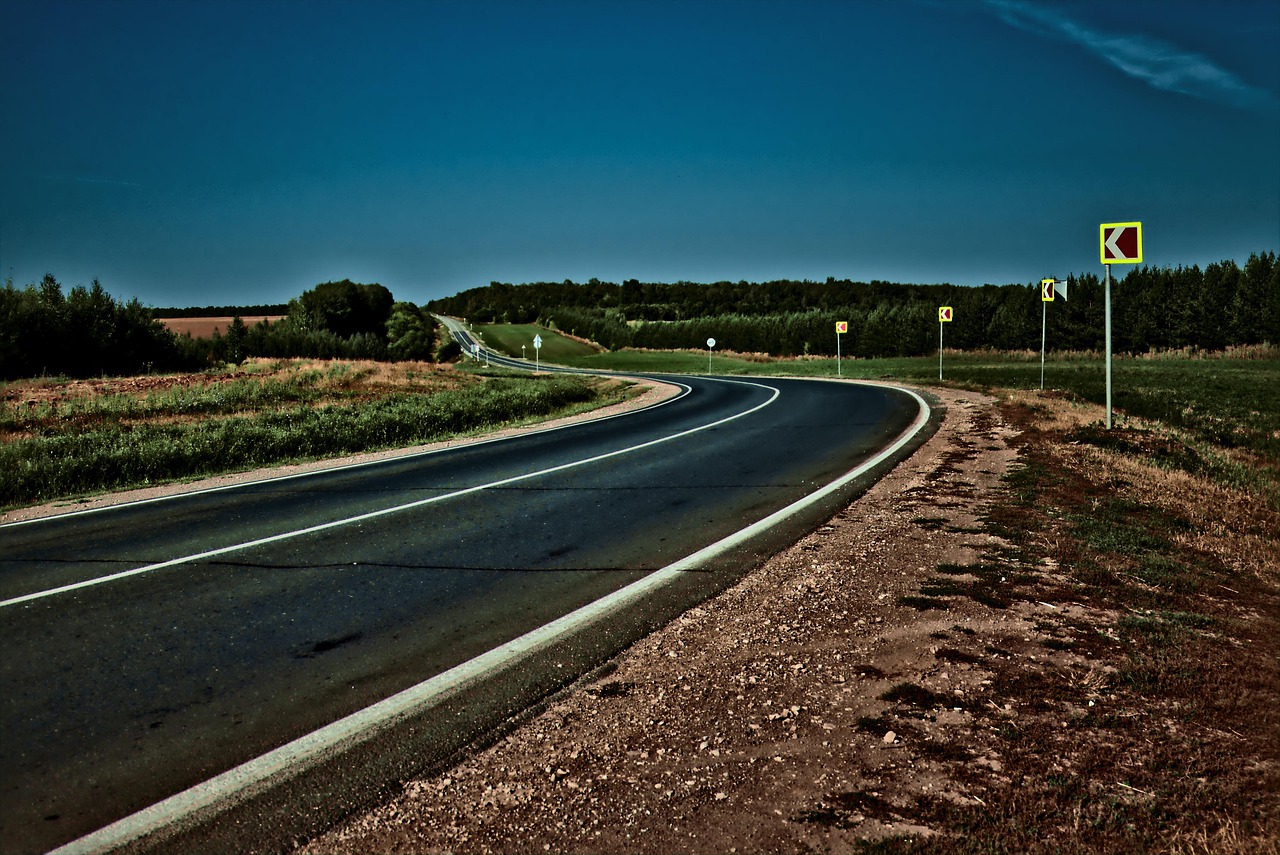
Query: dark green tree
point(411, 333)
point(343, 308)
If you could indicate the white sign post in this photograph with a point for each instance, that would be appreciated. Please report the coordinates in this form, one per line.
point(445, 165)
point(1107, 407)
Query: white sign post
point(945, 314)
point(711, 343)
point(1121, 243)
point(841, 328)
point(537, 352)
point(1048, 287)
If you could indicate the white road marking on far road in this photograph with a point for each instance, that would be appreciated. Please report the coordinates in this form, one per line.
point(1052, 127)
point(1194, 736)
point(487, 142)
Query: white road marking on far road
point(288, 535)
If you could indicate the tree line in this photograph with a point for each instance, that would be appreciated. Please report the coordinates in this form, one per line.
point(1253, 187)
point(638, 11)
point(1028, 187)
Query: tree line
point(1212, 308)
point(220, 311)
point(88, 333)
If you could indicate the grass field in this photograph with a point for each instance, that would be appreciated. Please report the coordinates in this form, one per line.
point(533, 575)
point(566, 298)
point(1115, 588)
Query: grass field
point(1225, 411)
point(508, 338)
point(1230, 402)
point(66, 438)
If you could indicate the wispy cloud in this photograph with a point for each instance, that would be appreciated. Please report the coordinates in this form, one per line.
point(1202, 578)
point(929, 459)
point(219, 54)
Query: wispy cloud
point(80, 179)
point(1155, 62)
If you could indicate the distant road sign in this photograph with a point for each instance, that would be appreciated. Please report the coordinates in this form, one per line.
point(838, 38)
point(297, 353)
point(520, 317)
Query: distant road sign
point(842, 327)
point(1051, 288)
point(1121, 243)
point(537, 340)
point(944, 314)
point(711, 342)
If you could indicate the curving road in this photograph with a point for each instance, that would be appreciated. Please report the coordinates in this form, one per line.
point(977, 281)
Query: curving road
point(151, 647)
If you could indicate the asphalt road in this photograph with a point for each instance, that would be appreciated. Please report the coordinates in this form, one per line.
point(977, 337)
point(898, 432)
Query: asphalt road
point(150, 647)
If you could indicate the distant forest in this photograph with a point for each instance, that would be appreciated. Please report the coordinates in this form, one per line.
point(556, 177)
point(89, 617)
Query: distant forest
point(1220, 306)
point(88, 333)
point(222, 311)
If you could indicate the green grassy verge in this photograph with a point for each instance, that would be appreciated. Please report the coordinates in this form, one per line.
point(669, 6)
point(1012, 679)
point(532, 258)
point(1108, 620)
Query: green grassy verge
point(1224, 410)
point(201, 398)
point(78, 456)
point(508, 338)
point(1230, 402)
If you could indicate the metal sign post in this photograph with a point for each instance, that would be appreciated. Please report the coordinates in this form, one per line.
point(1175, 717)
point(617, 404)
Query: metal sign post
point(1121, 243)
point(1106, 303)
point(711, 342)
point(537, 352)
point(1047, 289)
point(944, 317)
point(841, 328)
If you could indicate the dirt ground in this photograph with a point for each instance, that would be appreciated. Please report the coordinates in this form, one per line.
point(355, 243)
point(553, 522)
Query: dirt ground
point(728, 730)
point(205, 327)
point(838, 700)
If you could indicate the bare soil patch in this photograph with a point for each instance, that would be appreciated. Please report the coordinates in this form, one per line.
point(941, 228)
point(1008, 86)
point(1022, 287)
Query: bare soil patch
point(982, 653)
point(206, 327)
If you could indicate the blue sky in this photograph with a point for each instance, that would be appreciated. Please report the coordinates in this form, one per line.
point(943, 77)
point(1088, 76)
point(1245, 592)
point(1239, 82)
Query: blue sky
point(216, 152)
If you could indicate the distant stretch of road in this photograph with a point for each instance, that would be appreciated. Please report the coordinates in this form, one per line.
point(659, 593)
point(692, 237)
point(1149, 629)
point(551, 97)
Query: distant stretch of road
point(150, 647)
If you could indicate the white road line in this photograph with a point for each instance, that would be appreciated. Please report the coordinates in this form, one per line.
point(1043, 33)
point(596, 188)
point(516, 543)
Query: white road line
point(289, 535)
point(235, 785)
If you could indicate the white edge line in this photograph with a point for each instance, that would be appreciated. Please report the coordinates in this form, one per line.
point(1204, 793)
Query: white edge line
point(345, 466)
point(289, 535)
point(236, 785)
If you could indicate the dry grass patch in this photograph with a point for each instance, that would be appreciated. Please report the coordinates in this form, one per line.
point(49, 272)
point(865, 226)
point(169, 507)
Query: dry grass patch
point(80, 437)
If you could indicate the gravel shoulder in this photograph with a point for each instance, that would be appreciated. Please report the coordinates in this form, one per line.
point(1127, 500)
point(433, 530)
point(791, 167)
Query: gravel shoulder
point(733, 728)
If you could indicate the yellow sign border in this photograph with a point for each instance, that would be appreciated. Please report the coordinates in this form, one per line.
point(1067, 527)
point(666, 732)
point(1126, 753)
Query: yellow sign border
point(1102, 243)
point(1046, 290)
point(949, 314)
